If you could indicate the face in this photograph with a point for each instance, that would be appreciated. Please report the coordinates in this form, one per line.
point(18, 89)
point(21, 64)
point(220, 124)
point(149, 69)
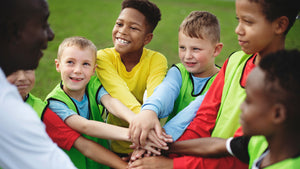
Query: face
point(130, 33)
point(23, 80)
point(255, 32)
point(256, 109)
point(33, 38)
point(76, 67)
point(196, 54)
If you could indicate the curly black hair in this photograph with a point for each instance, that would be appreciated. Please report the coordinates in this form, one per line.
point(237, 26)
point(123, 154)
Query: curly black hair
point(147, 8)
point(283, 80)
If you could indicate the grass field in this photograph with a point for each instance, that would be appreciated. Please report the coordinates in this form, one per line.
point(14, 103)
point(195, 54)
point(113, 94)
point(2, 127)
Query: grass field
point(94, 19)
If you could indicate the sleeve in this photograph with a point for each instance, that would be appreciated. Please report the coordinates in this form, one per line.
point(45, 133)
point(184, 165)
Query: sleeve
point(115, 85)
point(158, 70)
point(165, 94)
point(61, 109)
point(177, 125)
point(101, 93)
point(239, 148)
point(58, 131)
point(24, 141)
point(204, 121)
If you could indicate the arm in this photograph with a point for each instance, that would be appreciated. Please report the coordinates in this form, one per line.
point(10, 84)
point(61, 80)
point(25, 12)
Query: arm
point(98, 153)
point(88, 127)
point(97, 129)
point(159, 104)
point(177, 125)
point(204, 147)
point(66, 138)
point(107, 73)
point(208, 111)
point(117, 108)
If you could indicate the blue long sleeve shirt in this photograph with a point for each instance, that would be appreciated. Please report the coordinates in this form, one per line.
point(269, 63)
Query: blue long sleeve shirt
point(163, 99)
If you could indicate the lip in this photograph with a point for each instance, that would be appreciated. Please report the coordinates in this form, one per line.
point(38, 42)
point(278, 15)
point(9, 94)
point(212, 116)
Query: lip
point(122, 41)
point(76, 79)
point(242, 43)
point(190, 64)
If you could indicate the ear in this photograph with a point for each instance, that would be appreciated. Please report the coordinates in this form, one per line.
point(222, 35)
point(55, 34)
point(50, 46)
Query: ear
point(218, 49)
point(57, 65)
point(281, 24)
point(279, 113)
point(148, 38)
point(95, 68)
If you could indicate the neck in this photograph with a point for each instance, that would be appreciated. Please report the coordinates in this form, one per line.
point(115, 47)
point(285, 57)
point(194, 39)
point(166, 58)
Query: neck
point(282, 146)
point(277, 45)
point(131, 59)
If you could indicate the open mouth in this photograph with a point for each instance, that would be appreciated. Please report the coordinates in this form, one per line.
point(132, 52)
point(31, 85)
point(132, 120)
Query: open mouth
point(76, 79)
point(122, 41)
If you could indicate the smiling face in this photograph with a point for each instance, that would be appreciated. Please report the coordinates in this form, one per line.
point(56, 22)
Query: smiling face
point(197, 55)
point(24, 80)
point(256, 117)
point(130, 33)
point(76, 67)
point(255, 32)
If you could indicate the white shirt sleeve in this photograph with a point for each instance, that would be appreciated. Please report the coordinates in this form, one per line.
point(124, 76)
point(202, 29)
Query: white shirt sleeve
point(24, 142)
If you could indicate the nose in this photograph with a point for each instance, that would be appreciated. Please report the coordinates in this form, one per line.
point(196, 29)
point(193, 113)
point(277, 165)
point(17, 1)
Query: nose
point(188, 54)
point(21, 75)
point(122, 30)
point(77, 69)
point(239, 29)
point(50, 34)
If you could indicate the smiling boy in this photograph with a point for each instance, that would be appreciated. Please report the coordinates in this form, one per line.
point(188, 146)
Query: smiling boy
point(128, 69)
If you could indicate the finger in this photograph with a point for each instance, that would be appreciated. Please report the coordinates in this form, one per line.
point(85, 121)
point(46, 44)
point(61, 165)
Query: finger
point(143, 137)
point(135, 138)
point(154, 139)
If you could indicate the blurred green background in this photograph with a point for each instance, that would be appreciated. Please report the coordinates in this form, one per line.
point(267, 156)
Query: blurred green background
point(94, 19)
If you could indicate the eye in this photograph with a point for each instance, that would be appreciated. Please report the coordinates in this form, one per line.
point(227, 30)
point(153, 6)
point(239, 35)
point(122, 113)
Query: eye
point(119, 24)
point(181, 47)
point(134, 28)
point(69, 62)
point(86, 64)
point(196, 49)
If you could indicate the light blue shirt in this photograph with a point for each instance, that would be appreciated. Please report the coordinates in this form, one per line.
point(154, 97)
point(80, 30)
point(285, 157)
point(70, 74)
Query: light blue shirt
point(164, 96)
point(24, 141)
point(63, 111)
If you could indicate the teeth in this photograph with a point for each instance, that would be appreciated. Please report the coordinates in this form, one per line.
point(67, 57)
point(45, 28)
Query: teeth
point(123, 41)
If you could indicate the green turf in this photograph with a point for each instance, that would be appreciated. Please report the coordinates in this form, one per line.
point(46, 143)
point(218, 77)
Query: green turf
point(95, 19)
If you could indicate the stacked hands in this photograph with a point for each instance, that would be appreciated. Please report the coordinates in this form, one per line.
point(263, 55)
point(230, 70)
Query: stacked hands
point(147, 136)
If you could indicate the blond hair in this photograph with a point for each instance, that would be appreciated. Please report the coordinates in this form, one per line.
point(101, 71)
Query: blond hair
point(77, 41)
point(201, 24)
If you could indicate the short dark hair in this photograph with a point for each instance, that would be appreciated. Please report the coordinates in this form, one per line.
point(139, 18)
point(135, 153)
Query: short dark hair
point(282, 80)
point(274, 9)
point(147, 8)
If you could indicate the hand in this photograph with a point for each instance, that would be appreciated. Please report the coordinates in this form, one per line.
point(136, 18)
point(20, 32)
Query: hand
point(141, 125)
point(152, 162)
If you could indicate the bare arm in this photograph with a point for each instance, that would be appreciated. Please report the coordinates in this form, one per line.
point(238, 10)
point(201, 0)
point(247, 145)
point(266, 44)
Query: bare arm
point(97, 129)
point(204, 147)
point(117, 108)
point(98, 153)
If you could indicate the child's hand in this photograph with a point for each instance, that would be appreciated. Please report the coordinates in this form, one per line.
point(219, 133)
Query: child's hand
point(141, 125)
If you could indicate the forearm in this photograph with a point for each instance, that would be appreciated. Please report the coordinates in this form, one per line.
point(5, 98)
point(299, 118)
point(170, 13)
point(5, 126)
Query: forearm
point(204, 147)
point(98, 153)
point(97, 129)
point(117, 108)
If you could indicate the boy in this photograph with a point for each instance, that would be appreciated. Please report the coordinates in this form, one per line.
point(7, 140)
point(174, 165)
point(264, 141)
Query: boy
point(24, 32)
point(128, 69)
point(262, 29)
point(269, 118)
point(58, 131)
point(78, 99)
point(187, 82)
